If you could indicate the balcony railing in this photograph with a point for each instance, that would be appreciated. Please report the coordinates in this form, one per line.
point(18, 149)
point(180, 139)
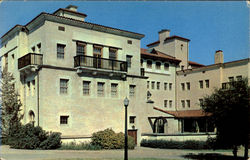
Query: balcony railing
point(100, 63)
point(30, 59)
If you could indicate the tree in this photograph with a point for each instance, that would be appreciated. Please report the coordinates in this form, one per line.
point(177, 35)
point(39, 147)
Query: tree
point(10, 105)
point(230, 109)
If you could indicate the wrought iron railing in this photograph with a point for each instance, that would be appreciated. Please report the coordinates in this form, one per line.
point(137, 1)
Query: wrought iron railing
point(100, 63)
point(30, 59)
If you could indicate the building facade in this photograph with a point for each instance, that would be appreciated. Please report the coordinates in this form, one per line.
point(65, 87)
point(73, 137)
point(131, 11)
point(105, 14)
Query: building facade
point(72, 77)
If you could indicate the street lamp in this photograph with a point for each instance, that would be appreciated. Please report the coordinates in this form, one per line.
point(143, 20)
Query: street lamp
point(126, 102)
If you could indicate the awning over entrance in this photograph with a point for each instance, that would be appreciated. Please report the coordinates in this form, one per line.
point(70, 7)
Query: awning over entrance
point(185, 113)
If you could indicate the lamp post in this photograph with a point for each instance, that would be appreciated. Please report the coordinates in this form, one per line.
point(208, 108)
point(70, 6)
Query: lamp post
point(126, 102)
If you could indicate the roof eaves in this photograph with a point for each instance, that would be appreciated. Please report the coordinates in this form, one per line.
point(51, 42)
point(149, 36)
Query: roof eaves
point(177, 37)
point(153, 43)
point(16, 26)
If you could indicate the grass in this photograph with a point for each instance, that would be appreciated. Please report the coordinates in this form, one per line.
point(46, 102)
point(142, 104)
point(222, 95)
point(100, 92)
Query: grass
point(114, 159)
point(81, 146)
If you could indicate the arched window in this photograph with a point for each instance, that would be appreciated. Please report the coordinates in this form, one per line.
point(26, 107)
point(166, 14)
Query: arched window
point(166, 66)
point(149, 64)
point(159, 125)
point(158, 65)
point(32, 117)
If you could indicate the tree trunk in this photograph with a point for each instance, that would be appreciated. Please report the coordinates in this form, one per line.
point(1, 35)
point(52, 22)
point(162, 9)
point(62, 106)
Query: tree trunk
point(246, 151)
point(235, 149)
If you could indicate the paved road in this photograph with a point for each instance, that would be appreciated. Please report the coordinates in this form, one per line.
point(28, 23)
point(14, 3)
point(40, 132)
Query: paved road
point(139, 152)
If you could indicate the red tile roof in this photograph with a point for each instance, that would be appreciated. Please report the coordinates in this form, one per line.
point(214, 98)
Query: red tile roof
point(171, 37)
point(195, 64)
point(185, 113)
point(154, 54)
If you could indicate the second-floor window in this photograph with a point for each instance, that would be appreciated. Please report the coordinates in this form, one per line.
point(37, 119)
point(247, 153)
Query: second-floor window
point(170, 86)
point(207, 83)
point(86, 87)
point(80, 48)
point(201, 83)
point(188, 85)
point(129, 60)
point(166, 66)
point(165, 86)
point(158, 85)
point(158, 65)
point(64, 86)
point(114, 87)
point(60, 51)
point(149, 64)
point(112, 55)
point(100, 89)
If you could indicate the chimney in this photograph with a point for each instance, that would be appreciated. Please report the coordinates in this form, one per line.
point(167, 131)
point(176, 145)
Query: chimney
point(218, 57)
point(163, 34)
point(72, 8)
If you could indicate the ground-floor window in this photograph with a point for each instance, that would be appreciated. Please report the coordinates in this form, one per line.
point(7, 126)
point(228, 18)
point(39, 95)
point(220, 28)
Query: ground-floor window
point(196, 125)
point(160, 125)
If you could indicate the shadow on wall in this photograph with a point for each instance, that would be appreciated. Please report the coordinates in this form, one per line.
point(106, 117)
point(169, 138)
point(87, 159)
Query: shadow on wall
point(211, 156)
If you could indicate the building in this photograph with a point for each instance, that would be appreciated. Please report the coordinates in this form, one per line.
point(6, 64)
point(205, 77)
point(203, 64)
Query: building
point(73, 75)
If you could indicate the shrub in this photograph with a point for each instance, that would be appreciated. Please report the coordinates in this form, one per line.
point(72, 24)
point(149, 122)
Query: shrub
point(30, 137)
point(108, 139)
point(81, 146)
point(169, 144)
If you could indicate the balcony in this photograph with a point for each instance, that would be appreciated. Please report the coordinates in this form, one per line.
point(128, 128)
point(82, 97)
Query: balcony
point(100, 64)
point(30, 62)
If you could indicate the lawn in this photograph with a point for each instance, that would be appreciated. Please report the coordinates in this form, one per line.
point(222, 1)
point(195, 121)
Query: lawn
point(114, 159)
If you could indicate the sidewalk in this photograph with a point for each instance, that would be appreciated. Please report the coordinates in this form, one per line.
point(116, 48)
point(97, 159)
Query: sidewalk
point(139, 152)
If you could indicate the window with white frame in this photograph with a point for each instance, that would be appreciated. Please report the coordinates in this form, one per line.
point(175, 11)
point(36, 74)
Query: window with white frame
point(86, 87)
point(64, 86)
point(100, 88)
point(114, 87)
point(129, 60)
point(80, 48)
point(60, 51)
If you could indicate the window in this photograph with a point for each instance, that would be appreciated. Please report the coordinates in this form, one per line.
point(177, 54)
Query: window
point(165, 86)
point(61, 28)
point(114, 87)
point(170, 86)
point(132, 119)
point(141, 62)
point(131, 90)
point(129, 41)
point(148, 84)
point(13, 56)
point(129, 60)
point(201, 84)
point(158, 85)
point(80, 48)
point(165, 103)
point(64, 119)
point(112, 55)
point(183, 86)
point(64, 86)
point(188, 85)
point(182, 67)
point(158, 65)
point(201, 102)
point(152, 85)
point(34, 85)
point(39, 47)
point(86, 87)
point(231, 79)
point(224, 85)
point(170, 103)
point(183, 103)
point(100, 88)
point(33, 49)
point(239, 78)
point(166, 66)
point(149, 64)
point(6, 61)
point(28, 84)
point(207, 83)
point(60, 51)
point(188, 103)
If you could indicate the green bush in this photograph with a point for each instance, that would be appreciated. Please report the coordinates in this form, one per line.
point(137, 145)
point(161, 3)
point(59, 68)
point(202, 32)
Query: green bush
point(81, 146)
point(30, 137)
point(169, 144)
point(108, 139)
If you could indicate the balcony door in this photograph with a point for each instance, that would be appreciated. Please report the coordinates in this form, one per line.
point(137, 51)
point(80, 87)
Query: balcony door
point(97, 54)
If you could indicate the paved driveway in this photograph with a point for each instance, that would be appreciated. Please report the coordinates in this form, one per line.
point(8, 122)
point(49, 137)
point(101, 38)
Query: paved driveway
point(139, 152)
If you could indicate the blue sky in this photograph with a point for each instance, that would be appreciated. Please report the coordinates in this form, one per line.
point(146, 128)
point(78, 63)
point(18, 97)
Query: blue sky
point(210, 26)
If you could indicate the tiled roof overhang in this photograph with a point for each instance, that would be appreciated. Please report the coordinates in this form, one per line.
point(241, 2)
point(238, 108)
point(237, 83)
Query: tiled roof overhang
point(185, 113)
